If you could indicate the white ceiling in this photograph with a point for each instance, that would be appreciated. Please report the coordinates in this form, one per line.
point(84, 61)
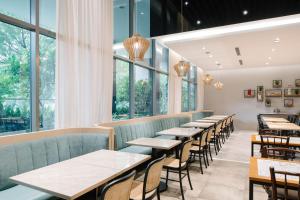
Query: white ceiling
point(255, 47)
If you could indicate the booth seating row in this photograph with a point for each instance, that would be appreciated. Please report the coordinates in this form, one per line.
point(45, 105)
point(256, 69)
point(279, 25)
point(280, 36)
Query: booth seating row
point(25, 152)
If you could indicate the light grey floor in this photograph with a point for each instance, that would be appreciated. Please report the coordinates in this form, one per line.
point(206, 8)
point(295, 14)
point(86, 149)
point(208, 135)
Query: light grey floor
point(225, 179)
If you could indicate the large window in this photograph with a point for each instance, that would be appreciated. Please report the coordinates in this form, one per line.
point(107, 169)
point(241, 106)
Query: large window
point(189, 91)
point(27, 65)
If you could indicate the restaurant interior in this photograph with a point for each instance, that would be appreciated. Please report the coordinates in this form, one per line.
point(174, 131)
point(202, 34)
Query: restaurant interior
point(149, 99)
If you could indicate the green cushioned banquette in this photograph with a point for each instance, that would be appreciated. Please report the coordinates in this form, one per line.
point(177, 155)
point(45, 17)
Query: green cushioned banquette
point(200, 115)
point(128, 132)
point(26, 156)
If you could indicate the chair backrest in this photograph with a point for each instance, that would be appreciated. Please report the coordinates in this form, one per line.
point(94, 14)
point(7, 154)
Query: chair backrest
point(152, 175)
point(280, 153)
point(118, 189)
point(202, 138)
point(274, 141)
point(185, 151)
point(228, 120)
point(210, 134)
point(285, 176)
point(218, 128)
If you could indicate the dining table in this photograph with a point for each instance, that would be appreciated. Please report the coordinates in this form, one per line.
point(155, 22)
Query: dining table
point(203, 125)
point(282, 126)
point(75, 177)
point(275, 119)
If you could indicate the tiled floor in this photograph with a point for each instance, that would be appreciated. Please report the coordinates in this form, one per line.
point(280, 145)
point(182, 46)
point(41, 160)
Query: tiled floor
point(225, 179)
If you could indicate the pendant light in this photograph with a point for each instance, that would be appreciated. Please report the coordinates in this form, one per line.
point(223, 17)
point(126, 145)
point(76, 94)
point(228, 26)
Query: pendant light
point(136, 45)
point(207, 79)
point(182, 67)
point(218, 85)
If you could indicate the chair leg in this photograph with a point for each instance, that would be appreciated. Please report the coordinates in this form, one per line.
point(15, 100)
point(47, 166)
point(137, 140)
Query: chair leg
point(189, 178)
point(158, 193)
point(180, 182)
point(215, 145)
point(167, 177)
point(200, 162)
point(203, 154)
point(206, 155)
point(210, 152)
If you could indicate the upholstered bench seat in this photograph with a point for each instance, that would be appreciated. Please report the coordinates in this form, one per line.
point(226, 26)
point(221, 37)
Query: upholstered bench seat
point(24, 193)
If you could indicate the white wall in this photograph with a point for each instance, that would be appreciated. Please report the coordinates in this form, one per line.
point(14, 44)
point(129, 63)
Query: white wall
point(231, 98)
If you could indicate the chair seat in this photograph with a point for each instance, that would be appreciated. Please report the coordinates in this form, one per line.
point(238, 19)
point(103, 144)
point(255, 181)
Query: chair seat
point(173, 163)
point(20, 192)
point(198, 143)
point(196, 149)
point(137, 191)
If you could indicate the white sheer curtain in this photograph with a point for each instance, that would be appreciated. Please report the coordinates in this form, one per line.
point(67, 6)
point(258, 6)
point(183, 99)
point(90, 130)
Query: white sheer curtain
point(84, 75)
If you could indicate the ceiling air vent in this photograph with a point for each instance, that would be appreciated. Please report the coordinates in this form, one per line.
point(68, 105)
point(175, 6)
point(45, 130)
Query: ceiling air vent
point(241, 62)
point(237, 51)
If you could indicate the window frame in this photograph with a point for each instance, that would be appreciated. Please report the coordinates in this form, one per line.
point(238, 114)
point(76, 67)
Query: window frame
point(35, 31)
point(190, 82)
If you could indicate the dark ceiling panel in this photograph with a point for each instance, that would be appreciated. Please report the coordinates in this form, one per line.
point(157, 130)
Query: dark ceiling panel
point(165, 14)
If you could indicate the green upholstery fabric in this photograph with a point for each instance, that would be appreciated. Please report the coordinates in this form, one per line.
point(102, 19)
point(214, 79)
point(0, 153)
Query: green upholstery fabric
point(24, 193)
point(23, 157)
point(128, 132)
point(137, 149)
point(200, 115)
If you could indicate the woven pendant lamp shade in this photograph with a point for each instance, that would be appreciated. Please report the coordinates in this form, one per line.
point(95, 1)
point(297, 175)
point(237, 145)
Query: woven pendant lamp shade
point(218, 85)
point(136, 47)
point(182, 68)
point(207, 79)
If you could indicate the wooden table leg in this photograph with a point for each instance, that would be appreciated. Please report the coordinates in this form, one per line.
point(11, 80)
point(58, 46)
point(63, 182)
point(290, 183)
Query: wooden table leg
point(250, 190)
point(252, 149)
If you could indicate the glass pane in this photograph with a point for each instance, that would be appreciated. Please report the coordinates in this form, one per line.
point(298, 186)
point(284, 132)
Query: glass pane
point(48, 14)
point(163, 93)
point(19, 9)
point(121, 91)
point(193, 74)
point(143, 92)
point(47, 82)
point(161, 57)
point(184, 96)
point(192, 97)
point(121, 20)
point(143, 17)
point(14, 79)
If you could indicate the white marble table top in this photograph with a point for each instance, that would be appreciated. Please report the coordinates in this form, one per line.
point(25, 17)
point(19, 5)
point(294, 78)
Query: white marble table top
point(283, 126)
point(264, 165)
point(293, 140)
point(214, 118)
point(197, 125)
point(181, 132)
point(72, 178)
point(274, 119)
point(208, 120)
point(155, 143)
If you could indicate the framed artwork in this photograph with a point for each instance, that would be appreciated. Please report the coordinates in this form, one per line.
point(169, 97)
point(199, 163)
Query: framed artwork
point(268, 103)
point(288, 102)
point(297, 82)
point(249, 93)
point(260, 93)
point(273, 93)
point(292, 92)
point(277, 83)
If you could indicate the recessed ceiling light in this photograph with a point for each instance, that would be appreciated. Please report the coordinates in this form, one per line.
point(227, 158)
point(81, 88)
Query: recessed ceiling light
point(198, 22)
point(269, 58)
point(217, 63)
point(210, 55)
point(245, 12)
point(203, 48)
point(273, 50)
point(267, 63)
point(186, 3)
point(276, 40)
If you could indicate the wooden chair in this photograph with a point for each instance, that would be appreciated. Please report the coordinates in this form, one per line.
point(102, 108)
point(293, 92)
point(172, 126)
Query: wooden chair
point(284, 193)
point(231, 124)
point(199, 149)
point(274, 141)
point(281, 153)
point(118, 189)
point(215, 140)
point(178, 165)
point(149, 188)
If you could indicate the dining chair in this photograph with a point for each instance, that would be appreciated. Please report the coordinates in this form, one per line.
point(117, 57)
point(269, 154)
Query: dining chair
point(281, 190)
point(227, 127)
point(231, 124)
point(215, 140)
point(178, 165)
point(281, 153)
point(149, 187)
point(274, 141)
point(199, 149)
point(118, 189)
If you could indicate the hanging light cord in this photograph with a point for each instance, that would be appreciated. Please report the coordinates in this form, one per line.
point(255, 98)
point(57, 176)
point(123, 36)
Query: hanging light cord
point(181, 15)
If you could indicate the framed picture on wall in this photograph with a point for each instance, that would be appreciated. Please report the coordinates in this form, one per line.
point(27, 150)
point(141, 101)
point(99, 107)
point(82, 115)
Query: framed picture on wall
point(249, 93)
point(277, 83)
point(292, 92)
point(288, 102)
point(273, 93)
point(260, 93)
point(268, 103)
point(297, 82)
